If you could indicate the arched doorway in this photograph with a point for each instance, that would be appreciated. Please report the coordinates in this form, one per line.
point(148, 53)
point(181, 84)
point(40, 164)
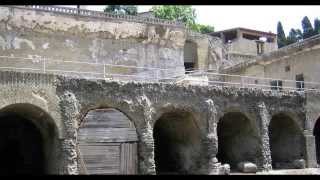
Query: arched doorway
point(238, 140)
point(107, 143)
point(176, 144)
point(316, 133)
point(28, 140)
point(286, 142)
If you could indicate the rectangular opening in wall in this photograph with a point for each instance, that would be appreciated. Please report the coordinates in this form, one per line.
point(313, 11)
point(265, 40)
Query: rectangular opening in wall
point(300, 82)
point(250, 37)
point(190, 56)
point(260, 47)
point(230, 36)
point(287, 68)
point(276, 85)
point(189, 66)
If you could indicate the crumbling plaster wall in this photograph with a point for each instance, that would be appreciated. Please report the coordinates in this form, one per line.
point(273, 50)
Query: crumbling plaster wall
point(202, 46)
point(57, 36)
point(210, 51)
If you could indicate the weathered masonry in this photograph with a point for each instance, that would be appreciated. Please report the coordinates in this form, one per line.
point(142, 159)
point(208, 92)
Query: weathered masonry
point(75, 42)
point(160, 128)
point(73, 124)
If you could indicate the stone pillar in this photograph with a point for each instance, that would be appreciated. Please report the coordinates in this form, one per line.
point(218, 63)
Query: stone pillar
point(69, 114)
point(146, 151)
point(310, 149)
point(69, 165)
point(146, 141)
point(214, 167)
point(266, 162)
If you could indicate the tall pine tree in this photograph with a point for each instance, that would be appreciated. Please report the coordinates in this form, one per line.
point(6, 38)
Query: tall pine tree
point(281, 36)
point(316, 26)
point(307, 29)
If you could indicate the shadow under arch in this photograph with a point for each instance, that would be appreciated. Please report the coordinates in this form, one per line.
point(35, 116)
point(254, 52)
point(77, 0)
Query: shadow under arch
point(286, 141)
point(316, 133)
point(238, 139)
point(107, 141)
point(29, 132)
point(177, 143)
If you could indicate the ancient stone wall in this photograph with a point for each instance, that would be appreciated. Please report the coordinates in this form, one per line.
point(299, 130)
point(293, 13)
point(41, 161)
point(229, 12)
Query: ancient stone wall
point(210, 51)
point(67, 101)
point(84, 40)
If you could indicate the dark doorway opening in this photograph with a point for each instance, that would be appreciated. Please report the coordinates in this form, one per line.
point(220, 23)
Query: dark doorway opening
point(21, 145)
point(190, 56)
point(177, 144)
point(286, 142)
point(237, 140)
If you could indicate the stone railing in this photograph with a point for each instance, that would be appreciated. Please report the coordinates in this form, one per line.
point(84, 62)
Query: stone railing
point(236, 56)
point(103, 71)
point(301, 43)
point(195, 34)
point(104, 15)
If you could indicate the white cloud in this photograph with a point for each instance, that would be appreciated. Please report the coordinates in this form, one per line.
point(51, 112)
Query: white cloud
point(264, 18)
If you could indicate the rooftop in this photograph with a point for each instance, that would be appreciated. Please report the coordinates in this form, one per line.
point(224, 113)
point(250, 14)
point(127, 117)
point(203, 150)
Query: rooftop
point(244, 30)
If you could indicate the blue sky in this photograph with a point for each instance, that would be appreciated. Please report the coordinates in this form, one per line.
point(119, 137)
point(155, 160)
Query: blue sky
point(263, 18)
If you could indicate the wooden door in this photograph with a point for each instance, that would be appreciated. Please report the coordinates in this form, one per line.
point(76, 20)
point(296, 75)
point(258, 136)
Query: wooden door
point(107, 143)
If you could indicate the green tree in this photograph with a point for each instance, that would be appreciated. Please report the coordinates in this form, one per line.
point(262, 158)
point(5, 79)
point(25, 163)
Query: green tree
point(294, 36)
point(182, 13)
point(282, 41)
point(316, 26)
point(202, 28)
point(122, 9)
point(206, 29)
point(307, 29)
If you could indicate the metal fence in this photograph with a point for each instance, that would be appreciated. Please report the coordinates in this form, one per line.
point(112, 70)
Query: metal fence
point(105, 71)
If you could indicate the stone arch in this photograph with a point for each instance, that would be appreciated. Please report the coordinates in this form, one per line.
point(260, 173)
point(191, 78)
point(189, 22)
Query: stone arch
point(286, 141)
point(108, 142)
point(238, 139)
point(296, 116)
point(177, 143)
point(316, 133)
point(133, 116)
point(31, 134)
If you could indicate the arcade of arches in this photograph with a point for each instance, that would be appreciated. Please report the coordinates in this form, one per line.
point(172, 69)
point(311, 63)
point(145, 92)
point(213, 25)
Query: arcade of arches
point(108, 142)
